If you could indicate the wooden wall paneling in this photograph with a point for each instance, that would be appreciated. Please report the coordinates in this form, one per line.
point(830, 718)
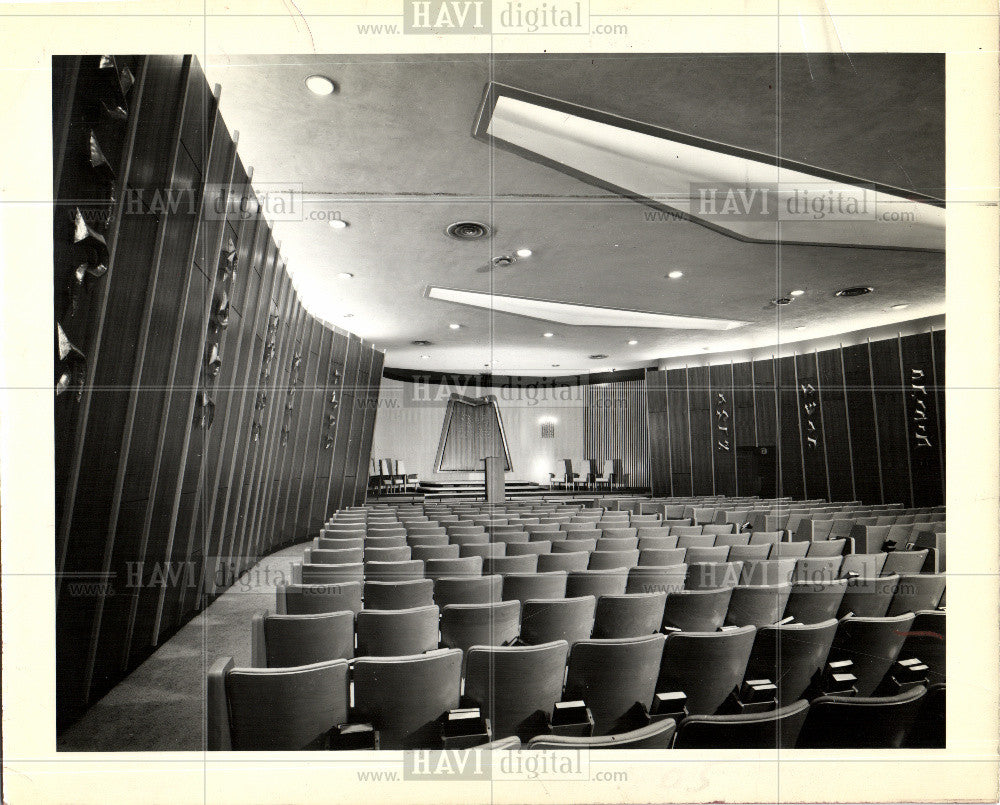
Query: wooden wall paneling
point(702, 431)
point(309, 420)
point(724, 416)
point(317, 467)
point(235, 425)
point(657, 432)
point(151, 358)
point(207, 467)
point(745, 417)
point(917, 355)
point(836, 433)
point(346, 422)
point(938, 345)
point(790, 473)
point(813, 444)
point(862, 424)
point(766, 402)
point(80, 304)
point(250, 433)
point(890, 413)
point(358, 425)
point(678, 420)
point(341, 342)
point(371, 414)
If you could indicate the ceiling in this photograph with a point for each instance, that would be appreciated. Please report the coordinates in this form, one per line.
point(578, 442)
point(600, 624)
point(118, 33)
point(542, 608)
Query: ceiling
point(392, 153)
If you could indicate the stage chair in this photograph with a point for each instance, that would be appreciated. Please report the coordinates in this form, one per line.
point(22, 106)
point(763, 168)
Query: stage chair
point(548, 619)
point(274, 709)
point(773, 729)
point(316, 599)
point(467, 625)
point(404, 697)
point(286, 641)
point(615, 678)
point(706, 666)
point(791, 655)
point(620, 615)
point(761, 605)
point(395, 632)
point(399, 594)
point(861, 722)
point(523, 586)
point(697, 610)
point(573, 560)
point(815, 601)
point(872, 644)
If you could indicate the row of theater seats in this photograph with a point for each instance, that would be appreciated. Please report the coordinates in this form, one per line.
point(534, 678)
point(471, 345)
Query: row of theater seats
point(698, 636)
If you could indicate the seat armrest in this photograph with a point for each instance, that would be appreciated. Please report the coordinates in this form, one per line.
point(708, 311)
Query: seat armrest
point(218, 737)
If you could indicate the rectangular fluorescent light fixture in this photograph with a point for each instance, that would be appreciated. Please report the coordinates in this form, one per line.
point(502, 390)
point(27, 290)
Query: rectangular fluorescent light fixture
point(741, 193)
point(578, 315)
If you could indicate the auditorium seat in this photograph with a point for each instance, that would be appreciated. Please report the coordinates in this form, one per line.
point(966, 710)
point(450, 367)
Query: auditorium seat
point(467, 625)
point(395, 571)
point(528, 548)
point(656, 579)
point(816, 569)
point(387, 554)
point(661, 557)
point(468, 590)
point(337, 544)
point(696, 610)
point(759, 605)
point(687, 531)
point(274, 709)
point(747, 553)
point(327, 574)
point(574, 560)
point(546, 619)
point(928, 729)
point(477, 538)
point(788, 550)
point(872, 644)
point(701, 555)
point(868, 597)
point(522, 586)
point(596, 582)
point(606, 560)
point(527, 563)
point(484, 550)
point(815, 601)
point(772, 729)
point(719, 528)
point(640, 520)
point(826, 547)
point(627, 534)
point(510, 537)
point(465, 530)
point(709, 575)
point(658, 735)
point(383, 532)
point(696, 541)
point(426, 540)
point(733, 540)
point(574, 545)
point(395, 632)
point(916, 592)
point(706, 666)
point(765, 537)
point(767, 571)
point(324, 556)
point(861, 722)
point(927, 642)
point(656, 542)
point(791, 655)
point(516, 687)
point(904, 562)
point(425, 552)
point(424, 529)
point(399, 594)
point(285, 641)
point(617, 544)
point(385, 542)
point(627, 614)
point(314, 599)
point(404, 697)
point(461, 566)
point(615, 678)
point(864, 564)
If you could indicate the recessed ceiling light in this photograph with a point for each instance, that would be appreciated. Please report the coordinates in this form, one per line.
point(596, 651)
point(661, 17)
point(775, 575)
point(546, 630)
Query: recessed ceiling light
point(467, 230)
point(454, 326)
point(420, 342)
point(320, 85)
point(796, 293)
point(801, 327)
point(424, 357)
point(632, 343)
point(782, 300)
point(900, 306)
point(555, 366)
point(348, 315)
point(504, 260)
point(706, 348)
point(346, 275)
point(523, 252)
point(338, 223)
point(675, 275)
point(547, 335)
point(598, 357)
point(859, 290)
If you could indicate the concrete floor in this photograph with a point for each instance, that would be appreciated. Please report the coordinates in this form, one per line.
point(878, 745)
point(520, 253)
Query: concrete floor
point(161, 705)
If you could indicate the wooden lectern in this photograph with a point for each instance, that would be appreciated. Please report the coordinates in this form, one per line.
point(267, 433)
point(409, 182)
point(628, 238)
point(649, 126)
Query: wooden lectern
point(495, 467)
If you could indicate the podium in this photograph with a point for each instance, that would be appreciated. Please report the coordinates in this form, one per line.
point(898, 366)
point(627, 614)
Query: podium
point(495, 467)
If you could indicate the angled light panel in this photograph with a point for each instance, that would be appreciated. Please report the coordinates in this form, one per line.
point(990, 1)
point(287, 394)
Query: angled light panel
point(578, 315)
point(742, 193)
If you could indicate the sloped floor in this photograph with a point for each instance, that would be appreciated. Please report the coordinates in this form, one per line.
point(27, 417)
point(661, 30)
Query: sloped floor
point(161, 705)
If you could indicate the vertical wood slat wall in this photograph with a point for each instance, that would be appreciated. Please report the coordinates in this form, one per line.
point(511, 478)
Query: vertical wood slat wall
point(199, 406)
point(861, 422)
point(614, 427)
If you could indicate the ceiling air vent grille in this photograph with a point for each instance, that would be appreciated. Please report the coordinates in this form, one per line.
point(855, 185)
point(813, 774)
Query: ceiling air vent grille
point(468, 230)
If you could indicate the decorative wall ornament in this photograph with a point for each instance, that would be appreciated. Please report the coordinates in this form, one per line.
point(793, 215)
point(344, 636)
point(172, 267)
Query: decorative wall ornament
point(122, 78)
point(79, 280)
point(220, 311)
point(227, 262)
point(71, 367)
point(204, 410)
point(89, 239)
point(98, 161)
point(261, 402)
point(213, 361)
point(809, 400)
point(919, 415)
point(722, 441)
